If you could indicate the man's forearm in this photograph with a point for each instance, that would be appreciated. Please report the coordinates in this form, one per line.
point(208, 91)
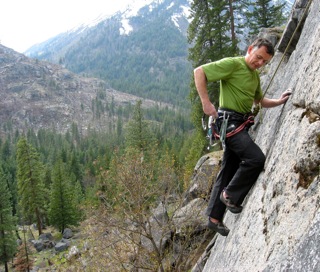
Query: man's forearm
point(200, 80)
point(201, 84)
point(270, 103)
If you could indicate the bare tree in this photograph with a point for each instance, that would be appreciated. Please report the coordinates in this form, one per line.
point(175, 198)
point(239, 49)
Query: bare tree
point(138, 217)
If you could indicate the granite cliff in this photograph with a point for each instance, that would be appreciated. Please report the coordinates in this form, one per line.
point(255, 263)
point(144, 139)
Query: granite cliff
point(279, 228)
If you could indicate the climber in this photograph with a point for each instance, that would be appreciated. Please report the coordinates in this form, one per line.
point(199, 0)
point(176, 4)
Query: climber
point(242, 160)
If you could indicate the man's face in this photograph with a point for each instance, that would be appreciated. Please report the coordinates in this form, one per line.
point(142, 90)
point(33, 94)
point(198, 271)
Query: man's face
point(257, 57)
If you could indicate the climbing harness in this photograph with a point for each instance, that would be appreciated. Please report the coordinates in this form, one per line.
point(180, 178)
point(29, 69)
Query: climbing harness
point(228, 124)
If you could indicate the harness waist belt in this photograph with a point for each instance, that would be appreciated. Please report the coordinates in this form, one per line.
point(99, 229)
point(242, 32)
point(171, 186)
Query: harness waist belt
point(232, 113)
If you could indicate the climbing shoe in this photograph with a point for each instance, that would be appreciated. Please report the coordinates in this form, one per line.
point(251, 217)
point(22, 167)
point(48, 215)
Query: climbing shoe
point(218, 227)
point(230, 205)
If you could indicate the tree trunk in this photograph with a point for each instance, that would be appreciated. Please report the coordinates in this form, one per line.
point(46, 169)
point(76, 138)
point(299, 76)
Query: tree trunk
point(38, 221)
point(232, 27)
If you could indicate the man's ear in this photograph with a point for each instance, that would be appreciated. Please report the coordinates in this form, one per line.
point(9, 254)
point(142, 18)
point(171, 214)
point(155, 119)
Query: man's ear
point(249, 49)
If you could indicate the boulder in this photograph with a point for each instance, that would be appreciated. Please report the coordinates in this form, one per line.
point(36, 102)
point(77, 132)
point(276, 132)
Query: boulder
point(190, 216)
point(204, 176)
point(67, 233)
point(61, 246)
point(74, 252)
point(38, 245)
point(161, 232)
point(45, 236)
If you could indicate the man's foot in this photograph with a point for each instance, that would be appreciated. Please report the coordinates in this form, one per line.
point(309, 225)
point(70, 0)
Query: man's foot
point(218, 227)
point(229, 203)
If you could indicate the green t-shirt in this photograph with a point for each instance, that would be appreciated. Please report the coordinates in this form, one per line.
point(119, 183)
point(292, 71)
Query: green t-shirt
point(239, 85)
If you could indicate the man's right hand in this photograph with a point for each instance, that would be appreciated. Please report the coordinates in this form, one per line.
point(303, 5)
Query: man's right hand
point(209, 109)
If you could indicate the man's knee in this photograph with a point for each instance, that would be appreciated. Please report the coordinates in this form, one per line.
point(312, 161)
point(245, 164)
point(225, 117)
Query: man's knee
point(259, 161)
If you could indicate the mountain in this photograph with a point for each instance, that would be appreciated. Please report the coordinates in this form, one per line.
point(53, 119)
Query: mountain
point(142, 50)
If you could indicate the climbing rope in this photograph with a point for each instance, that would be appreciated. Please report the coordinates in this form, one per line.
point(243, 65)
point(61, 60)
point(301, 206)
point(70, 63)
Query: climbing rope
point(277, 127)
point(257, 109)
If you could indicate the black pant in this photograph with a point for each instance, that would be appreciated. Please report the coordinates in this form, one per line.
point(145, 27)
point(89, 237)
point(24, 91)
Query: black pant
point(242, 163)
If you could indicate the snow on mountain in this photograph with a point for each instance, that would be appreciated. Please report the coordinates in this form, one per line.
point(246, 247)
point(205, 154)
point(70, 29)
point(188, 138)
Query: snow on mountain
point(126, 13)
point(143, 8)
point(126, 27)
point(184, 13)
point(133, 10)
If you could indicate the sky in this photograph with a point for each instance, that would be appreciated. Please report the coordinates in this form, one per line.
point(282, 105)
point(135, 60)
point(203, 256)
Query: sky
point(24, 23)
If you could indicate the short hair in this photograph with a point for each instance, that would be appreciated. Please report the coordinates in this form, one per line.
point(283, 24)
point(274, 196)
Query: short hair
point(264, 42)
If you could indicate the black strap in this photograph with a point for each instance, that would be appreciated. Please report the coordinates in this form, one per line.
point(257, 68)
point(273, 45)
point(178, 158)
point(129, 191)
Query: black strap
point(234, 114)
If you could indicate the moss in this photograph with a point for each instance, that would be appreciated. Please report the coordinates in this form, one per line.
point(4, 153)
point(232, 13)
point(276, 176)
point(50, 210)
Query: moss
point(57, 236)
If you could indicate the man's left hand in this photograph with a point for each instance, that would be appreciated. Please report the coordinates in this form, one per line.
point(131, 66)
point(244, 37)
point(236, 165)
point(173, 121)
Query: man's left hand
point(285, 96)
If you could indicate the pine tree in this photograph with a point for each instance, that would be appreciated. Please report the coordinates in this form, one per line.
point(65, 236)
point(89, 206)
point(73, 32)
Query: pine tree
point(237, 23)
point(239, 8)
point(8, 164)
point(211, 31)
point(265, 14)
point(78, 194)
point(75, 166)
point(63, 211)
point(137, 133)
point(7, 224)
point(31, 191)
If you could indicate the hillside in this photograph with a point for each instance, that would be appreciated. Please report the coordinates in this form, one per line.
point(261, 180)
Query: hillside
point(37, 94)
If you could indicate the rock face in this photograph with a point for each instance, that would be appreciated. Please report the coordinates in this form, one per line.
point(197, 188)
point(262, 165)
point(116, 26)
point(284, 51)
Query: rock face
point(279, 227)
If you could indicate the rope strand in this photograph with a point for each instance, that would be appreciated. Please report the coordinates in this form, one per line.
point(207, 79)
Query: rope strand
point(257, 110)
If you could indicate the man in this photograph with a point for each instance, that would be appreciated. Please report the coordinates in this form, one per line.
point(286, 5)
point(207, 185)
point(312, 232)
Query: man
point(243, 160)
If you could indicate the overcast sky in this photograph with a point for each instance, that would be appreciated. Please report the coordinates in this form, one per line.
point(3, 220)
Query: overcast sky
point(24, 23)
